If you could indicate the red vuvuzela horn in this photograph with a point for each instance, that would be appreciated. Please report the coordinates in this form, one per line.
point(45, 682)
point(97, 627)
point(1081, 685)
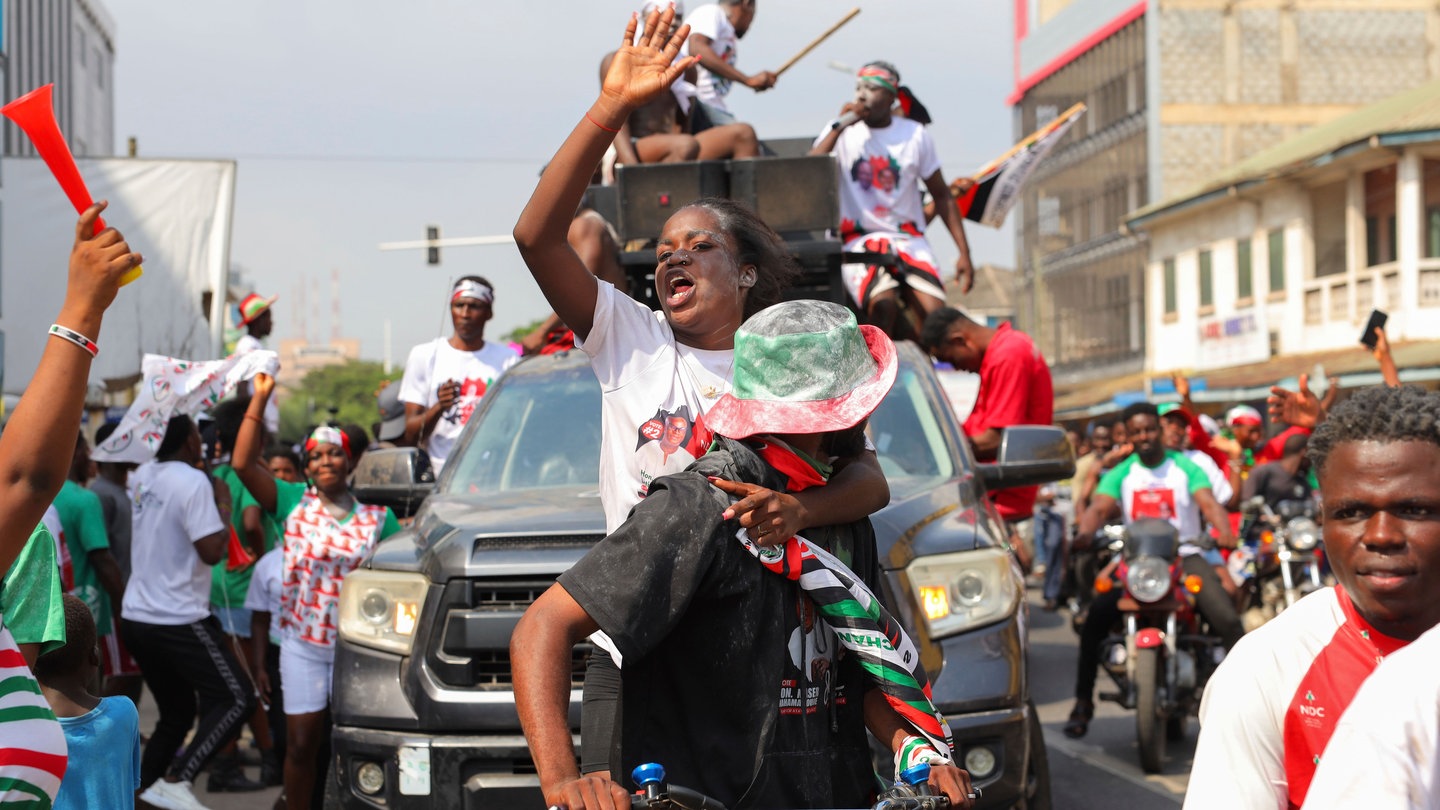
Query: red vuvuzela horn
point(34, 113)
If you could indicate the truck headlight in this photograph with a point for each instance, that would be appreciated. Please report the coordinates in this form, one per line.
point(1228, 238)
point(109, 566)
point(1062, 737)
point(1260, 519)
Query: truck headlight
point(1148, 579)
point(963, 590)
point(380, 609)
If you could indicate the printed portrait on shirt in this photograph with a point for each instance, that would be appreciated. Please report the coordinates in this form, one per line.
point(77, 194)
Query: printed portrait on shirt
point(662, 445)
point(471, 392)
point(1154, 503)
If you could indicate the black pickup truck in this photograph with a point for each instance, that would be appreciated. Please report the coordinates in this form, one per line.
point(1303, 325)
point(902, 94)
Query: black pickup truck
point(423, 708)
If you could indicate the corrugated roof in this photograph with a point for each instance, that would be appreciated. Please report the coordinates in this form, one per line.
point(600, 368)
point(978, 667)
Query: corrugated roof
point(1415, 110)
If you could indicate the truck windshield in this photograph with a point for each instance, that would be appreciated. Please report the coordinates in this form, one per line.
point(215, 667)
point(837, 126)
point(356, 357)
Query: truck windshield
point(543, 430)
point(539, 430)
point(908, 438)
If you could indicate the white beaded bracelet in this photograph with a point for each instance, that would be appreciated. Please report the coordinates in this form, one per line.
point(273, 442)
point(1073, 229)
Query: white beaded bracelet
point(78, 339)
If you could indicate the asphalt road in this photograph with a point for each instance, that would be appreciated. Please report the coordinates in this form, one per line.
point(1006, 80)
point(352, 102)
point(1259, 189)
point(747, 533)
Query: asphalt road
point(1102, 769)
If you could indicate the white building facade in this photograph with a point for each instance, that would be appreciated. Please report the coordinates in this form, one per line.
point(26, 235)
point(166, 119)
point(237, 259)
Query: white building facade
point(1288, 253)
point(72, 44)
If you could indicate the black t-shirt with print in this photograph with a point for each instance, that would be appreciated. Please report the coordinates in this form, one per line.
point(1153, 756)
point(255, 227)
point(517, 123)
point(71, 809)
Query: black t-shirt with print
point(721, 682)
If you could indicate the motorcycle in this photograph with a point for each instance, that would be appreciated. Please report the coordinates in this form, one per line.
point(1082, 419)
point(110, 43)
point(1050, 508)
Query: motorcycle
point(1282, 559)
point(1164, 652)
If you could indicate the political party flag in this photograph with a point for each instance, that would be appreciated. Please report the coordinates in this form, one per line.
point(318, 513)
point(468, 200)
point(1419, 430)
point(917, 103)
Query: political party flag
point(172, 386)
point(998, 183)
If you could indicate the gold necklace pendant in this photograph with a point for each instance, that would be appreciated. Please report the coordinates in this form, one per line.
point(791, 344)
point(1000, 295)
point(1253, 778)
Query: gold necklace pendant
point(710, 392)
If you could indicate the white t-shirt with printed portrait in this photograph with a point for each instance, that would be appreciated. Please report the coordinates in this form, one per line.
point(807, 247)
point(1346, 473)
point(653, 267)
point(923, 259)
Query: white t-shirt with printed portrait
point(881, 171)
point(711, 21)
point(431, 364)
point(174, 506)
point(647, 379)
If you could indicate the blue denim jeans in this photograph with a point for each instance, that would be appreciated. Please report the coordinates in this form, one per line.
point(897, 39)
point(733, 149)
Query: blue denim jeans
point(1050, 547)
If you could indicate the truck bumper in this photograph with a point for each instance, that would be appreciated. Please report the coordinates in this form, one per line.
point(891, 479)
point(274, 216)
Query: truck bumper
point(1001, 735)
point(422, 771)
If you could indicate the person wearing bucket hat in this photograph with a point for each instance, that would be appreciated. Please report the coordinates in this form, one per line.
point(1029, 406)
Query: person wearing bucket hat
point(706, 627)
point(716, 264)
point(326, 534)
point(258, 320)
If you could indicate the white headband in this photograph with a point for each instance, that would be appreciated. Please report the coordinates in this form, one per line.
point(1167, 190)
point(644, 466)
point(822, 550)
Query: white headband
point(466, 288)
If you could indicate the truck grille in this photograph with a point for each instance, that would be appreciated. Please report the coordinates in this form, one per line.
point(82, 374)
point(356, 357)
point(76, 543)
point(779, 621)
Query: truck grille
point(537, 541)
point(492, 669)
point(470, 641)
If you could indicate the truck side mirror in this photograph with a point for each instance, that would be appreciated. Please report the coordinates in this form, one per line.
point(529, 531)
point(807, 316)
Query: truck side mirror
point(397, 477)
point(1029, 455)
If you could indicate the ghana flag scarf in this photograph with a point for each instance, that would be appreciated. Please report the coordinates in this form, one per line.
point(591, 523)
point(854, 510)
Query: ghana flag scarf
point(859, 621)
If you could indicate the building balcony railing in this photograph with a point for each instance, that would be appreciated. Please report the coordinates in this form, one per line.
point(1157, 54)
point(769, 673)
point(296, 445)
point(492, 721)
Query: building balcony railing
point(1337, 299)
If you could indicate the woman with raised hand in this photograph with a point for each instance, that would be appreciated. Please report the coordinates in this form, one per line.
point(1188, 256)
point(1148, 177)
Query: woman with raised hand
point(716, 264)
point(327, 534)
point(34, 460)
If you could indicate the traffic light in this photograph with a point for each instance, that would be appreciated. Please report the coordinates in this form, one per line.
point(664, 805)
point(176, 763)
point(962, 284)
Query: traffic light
point(432, 253)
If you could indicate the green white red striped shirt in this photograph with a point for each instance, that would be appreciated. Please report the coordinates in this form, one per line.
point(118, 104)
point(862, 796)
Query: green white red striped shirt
point(32, 744)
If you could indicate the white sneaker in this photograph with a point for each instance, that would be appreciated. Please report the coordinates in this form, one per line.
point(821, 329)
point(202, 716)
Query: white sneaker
point(171, 796)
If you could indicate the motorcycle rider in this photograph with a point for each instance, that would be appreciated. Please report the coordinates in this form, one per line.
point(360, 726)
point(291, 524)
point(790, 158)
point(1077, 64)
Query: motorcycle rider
point(1153, 482)
point(1100, 440)
point(1285, 480)
point(1269, 710)
point(1175, 431)
point(1082, 563)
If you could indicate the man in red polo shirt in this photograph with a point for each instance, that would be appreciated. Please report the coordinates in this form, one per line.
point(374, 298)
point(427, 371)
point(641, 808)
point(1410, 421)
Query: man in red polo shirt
point(1015, 389)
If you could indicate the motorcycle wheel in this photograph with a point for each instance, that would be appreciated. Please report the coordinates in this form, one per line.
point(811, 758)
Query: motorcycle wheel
point(1037, 775)
point(1149, 718)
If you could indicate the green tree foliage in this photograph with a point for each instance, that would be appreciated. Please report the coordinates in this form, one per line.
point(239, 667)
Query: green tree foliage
point(514, 335)
point(342, 393)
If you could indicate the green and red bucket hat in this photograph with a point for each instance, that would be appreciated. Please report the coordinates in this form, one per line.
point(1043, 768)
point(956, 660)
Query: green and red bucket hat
point(252, 305)
point(804, 367)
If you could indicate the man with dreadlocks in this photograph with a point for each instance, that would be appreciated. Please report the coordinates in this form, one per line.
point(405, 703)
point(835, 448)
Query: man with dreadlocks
point(882, 158)
point(1271, 707)
point(751, 673)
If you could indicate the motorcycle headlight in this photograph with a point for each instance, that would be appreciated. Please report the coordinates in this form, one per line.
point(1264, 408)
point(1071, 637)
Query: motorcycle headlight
point(963, 590)
point(1304, 534)
point(1148, 579)
point(380, 609)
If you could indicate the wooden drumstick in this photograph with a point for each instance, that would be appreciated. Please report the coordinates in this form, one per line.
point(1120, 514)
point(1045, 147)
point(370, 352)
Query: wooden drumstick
point(808, 48)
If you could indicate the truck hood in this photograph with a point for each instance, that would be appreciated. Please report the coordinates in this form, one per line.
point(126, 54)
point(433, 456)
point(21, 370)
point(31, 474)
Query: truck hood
point(531, 530)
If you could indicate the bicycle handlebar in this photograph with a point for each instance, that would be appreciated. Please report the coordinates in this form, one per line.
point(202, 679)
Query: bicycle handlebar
point(911, 793)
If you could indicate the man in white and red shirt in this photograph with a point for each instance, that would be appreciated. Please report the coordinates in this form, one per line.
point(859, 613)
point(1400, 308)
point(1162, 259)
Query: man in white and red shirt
point(1152, 482)
point(446, 378)
point(1271, 707)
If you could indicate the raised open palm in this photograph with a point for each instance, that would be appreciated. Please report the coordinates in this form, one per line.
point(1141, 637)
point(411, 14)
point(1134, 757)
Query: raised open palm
point(644, 68)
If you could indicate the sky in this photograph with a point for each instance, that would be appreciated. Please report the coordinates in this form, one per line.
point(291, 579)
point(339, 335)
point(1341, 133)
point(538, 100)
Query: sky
point(356, 122)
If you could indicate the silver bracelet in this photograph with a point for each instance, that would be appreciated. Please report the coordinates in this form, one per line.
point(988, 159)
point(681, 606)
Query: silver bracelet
point(65, 333)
